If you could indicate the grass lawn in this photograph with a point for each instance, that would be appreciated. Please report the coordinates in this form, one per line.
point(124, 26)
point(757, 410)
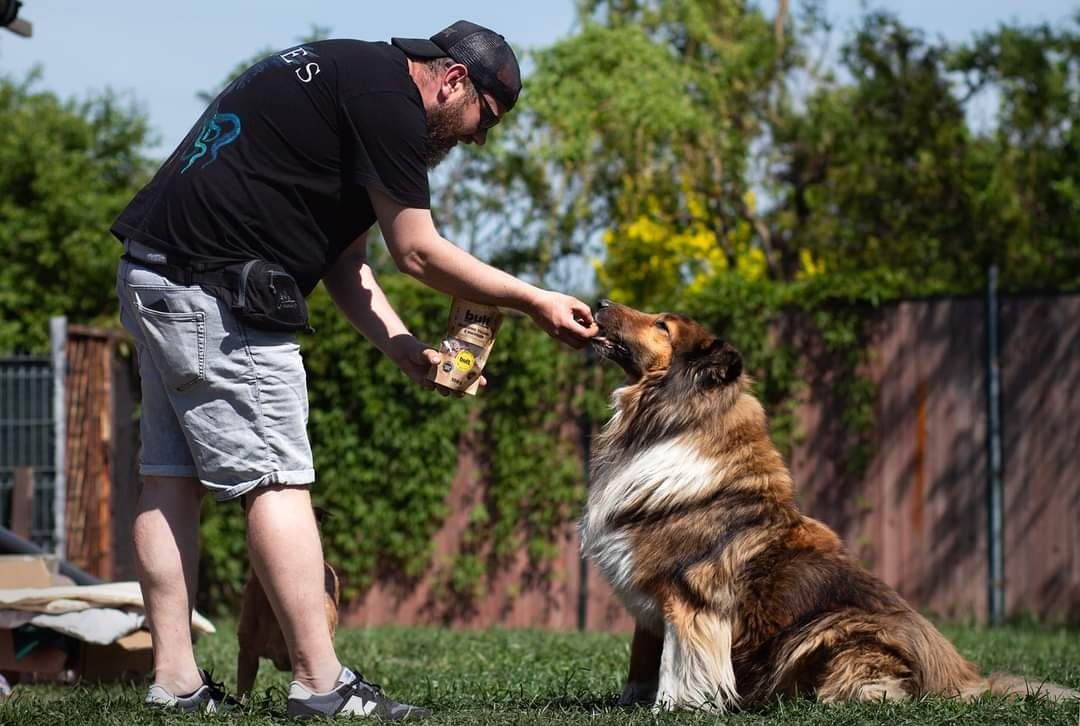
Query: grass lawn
point(520, 677)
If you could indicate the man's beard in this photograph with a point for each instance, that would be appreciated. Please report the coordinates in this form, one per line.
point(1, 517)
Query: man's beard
point(443, 131)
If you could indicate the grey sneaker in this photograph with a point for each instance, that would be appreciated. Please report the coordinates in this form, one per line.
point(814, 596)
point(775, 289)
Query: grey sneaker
point(210, 697)
point(352, 696)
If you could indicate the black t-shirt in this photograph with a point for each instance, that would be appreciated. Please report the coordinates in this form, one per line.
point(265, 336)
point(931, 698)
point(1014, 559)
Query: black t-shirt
point(278, 166)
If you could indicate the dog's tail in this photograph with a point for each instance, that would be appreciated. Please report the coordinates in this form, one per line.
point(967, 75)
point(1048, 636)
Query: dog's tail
point(947, 672)
point(1006, 684)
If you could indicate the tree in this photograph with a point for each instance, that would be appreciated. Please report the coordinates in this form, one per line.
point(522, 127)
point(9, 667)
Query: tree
point(1030, 185)
point(636, 143)
point(674, 141)
point(67, 169)
point(878, 171)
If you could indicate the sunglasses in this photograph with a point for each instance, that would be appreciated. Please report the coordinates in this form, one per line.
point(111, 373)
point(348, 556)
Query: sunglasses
point(487, 115)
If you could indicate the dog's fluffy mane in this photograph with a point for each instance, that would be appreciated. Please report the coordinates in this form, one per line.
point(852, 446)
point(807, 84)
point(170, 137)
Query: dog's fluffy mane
point(677, 406)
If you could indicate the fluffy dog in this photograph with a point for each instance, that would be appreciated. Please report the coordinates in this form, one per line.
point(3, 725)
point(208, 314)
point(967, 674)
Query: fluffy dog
point(258, 632)
point(737, 596)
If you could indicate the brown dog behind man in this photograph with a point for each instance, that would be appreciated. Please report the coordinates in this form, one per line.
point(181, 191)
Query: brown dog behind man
point(738, 596)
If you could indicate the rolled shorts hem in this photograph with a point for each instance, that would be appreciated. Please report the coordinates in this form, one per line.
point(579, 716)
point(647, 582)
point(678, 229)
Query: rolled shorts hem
point(168, 470)
point(300, 477)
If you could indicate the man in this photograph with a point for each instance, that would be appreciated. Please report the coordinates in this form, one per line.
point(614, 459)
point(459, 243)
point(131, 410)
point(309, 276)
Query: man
point(292, 164)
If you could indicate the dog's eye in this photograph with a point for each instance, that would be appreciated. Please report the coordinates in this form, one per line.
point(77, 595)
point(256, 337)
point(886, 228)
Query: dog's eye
point(662, 325)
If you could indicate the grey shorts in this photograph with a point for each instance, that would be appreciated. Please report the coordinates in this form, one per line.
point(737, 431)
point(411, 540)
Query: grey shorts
point(221, 401)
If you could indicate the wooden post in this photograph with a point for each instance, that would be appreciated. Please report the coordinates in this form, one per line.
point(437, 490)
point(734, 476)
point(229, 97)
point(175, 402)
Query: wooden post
point(22, 502)
point(104, 553)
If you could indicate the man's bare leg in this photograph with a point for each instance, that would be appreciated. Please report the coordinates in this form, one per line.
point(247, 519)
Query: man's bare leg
point(166, 534)
point(285, 550)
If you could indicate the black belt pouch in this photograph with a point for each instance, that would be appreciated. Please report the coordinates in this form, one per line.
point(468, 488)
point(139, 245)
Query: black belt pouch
point(260, 293)
point(266, 296)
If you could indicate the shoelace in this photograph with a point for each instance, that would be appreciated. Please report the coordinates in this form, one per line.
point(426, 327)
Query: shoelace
point(217, 691)
point(360, 679)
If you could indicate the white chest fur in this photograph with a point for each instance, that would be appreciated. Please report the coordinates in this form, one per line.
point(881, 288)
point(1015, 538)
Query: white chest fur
point(658, 477)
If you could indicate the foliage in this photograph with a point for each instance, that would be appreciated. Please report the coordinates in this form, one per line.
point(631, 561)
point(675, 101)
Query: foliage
point(1030, 185)
point(386, 449)
point(675, 140)
point(887, 172)
point(67, 169)
point(510, 677)
point(534, 481)
point(646, 117)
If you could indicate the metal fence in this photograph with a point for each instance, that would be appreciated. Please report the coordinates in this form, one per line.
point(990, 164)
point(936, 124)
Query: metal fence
point(28, 439)
point(69, 418)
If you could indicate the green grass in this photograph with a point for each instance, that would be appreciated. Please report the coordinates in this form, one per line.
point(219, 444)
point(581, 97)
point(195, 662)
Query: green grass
point(521, 677)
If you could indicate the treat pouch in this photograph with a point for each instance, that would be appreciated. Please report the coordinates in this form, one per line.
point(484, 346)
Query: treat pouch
point(470, 335)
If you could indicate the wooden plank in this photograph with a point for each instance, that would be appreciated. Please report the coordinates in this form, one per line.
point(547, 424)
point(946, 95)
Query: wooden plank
point(22, 501)
point(103, 444)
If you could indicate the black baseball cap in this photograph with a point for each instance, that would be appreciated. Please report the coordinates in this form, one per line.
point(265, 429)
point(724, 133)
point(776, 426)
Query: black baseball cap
point(491, 62)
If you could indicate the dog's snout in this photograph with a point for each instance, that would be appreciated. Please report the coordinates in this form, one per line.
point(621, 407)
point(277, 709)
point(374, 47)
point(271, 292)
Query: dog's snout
point(604, 303)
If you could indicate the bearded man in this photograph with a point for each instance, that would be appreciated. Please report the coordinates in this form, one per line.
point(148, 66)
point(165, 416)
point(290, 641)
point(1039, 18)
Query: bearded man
point(274, 189)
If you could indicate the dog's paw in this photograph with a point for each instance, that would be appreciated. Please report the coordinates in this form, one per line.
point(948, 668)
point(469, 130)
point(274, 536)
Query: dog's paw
point(638, 693)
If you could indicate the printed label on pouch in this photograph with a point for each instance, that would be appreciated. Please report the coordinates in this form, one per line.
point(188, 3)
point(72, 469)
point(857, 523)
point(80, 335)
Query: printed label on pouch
point(470, 335)
point(464, 361)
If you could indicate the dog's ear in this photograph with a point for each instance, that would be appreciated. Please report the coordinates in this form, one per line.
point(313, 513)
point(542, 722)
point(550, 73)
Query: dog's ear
point(720, 363)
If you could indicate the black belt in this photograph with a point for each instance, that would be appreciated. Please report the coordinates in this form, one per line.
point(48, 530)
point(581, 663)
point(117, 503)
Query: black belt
point(196, 274)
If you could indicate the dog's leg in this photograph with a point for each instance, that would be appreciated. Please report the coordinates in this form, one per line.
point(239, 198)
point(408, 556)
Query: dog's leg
point(247, 667)
point(644, 668)
point(247, 636)
point(695, 667)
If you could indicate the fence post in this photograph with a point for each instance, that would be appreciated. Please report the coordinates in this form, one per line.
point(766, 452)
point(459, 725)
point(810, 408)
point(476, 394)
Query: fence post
point(58, 338)
point(995, 491)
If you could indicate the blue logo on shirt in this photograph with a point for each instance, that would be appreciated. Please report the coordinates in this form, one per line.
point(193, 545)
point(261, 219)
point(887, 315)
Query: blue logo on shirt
point(217, 131)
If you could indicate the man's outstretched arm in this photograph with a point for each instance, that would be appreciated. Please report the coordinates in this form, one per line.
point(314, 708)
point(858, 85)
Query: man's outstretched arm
point(421, 252)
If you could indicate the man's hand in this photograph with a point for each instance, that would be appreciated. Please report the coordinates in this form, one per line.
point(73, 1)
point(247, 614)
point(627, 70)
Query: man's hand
point(415, 359)
point(564, 318)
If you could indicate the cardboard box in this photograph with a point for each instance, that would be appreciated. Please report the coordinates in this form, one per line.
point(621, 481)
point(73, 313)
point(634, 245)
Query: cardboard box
point(128, 658)
point(470, 335)
point(43, 659)
point(18, 571)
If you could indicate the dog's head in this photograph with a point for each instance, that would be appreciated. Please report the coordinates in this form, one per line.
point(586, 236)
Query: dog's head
point(664, 346)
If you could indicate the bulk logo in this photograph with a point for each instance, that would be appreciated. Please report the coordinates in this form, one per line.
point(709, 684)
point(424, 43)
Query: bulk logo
point(481, 319)
point(464, 360)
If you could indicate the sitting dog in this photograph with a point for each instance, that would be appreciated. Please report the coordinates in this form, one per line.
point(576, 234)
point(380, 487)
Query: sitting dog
point(258, 632)
point(737, 596)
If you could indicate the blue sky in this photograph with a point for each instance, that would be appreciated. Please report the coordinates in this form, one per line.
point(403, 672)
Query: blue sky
point(161, 54)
